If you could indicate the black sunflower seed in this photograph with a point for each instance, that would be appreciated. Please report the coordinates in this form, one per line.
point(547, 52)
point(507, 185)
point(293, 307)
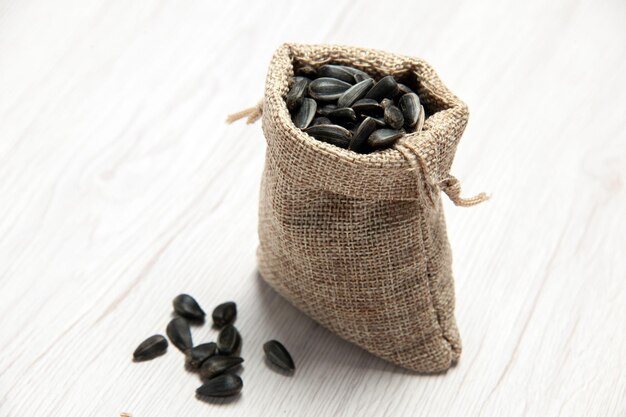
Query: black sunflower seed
point(186, 306)
point(325, 109)
point(403, 89)
point(218, 364)
point(179, 333)
point(355, 93)
point(344, 115)
point(221, 386)
point(306, 113)
point(321, 121)
point(307, 71)
point(368, 107)
point(224, 314)
point(327, 89)
point(363, 132)
point(394, 117)
point(383, 138)
point(198, 354)
point(333, 134)
point(278, 355)
point(380, 122)
point(150, 348)
point(411, 108)
point(385, 87)
point(228, 340)
point(296, 93)
point(338, 72)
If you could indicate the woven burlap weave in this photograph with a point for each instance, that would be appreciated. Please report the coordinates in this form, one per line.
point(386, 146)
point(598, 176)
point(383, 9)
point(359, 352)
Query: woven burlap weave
point(358, 242)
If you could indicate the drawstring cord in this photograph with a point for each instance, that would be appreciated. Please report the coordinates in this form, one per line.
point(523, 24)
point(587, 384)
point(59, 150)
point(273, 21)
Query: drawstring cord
point(252, 113)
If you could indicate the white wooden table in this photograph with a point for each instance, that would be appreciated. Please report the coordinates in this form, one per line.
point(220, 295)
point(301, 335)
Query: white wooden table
point(121, 187)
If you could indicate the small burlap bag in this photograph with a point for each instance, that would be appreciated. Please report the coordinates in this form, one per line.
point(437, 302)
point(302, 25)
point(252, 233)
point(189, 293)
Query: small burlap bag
point(358, 241)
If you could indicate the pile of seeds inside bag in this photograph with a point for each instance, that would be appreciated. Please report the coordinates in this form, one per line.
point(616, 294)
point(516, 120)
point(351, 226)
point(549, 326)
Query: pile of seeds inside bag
point(346, 107)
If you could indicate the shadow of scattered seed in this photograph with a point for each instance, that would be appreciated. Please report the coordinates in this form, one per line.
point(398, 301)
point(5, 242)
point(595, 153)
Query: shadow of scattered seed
point(313, 346)
point(219, 400)
point(238, 370)
point(192, 322)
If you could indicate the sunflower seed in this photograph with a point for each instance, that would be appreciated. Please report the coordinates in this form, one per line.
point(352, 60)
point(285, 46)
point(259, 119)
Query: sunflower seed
point(404, 89)
point(228, 340)
point(224, 314)
point(383, 138)
point(321, 121)
point(386, 103)
point(198, 354)
point(325, 109)
point(368, 106)
point(307, 71)
point(411, 107)
point(296, 93)
point(327, 89)
point(364, 130)
point(278, 355)
point(344, 115)
point(179, 333)
point(355, 93)
point(306, 113)
point(150, 348)
point(333, 134)
point(393, 117)
point(224, 385)
point(186, 306)
point(218, 364)
point(385, 87)
point(380, 122)
point(338, 72)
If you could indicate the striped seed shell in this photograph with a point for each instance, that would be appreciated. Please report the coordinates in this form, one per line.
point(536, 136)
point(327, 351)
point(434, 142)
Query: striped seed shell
point(321, 121)
point(344, 115)
point(325, 109)
point(385, 87)
point(278, 355)
point(368, 107)
point(338, 72)
point(333, 134)
point(305, 113)
point(365, 129)
point(179, 334)
point(198, 354)
point(228, 340)
point(355, 93)
point(296, 93)
point(218, 364)
point(224, 385)
point(186, 306)
point(383, 138)
point(410, 105)
point(327, 89)
point(307, 71)
point(150, 348)
point(224, 314)
point(394, 117)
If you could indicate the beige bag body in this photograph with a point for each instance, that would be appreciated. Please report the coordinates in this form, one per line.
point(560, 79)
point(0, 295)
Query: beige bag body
point(358, 241)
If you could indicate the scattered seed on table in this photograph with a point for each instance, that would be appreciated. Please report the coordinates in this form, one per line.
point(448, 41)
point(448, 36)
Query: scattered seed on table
point(225, 314)
point(151, 348)
point(223, 385)
point(200, 353)
point(228, 340)
point(179, 334)
point(219, 364)
point(278, 355)
point(186, 306)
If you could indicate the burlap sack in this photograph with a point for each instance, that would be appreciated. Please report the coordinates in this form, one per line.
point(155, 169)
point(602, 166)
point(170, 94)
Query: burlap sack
point(358, 242)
